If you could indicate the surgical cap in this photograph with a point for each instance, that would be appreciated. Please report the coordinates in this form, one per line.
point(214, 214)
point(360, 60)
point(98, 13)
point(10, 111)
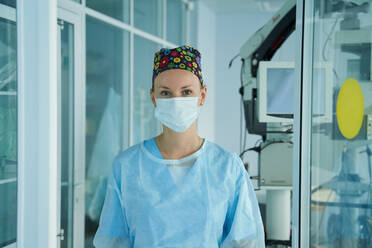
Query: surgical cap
point(183, 57)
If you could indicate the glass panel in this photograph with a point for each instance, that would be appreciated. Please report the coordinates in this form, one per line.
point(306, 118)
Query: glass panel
point(341, 179)
point(176, 16)
point(67, 132)
point(148, 16)
point(118, 9)
point(8, 124)
point(78, 1)
point(10, 3)
point(8, 169)
point(107, 75)
point(144, 123)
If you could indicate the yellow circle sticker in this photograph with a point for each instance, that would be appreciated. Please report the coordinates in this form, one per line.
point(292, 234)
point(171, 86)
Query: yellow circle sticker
point(350, 108)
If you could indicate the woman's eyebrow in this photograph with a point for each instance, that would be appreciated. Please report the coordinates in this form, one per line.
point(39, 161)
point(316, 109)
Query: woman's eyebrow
point(165, 87)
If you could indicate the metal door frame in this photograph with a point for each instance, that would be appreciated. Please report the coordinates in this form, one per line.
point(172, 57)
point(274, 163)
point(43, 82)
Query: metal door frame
point(302, 124)
point(79, 129)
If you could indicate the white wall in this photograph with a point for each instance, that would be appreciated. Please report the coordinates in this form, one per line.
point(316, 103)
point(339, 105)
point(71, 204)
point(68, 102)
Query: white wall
point(219, 38)
point(232, 32)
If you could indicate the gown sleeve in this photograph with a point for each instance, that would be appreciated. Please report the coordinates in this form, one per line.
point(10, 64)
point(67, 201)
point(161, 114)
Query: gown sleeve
point(243, 225)
point(113, 229)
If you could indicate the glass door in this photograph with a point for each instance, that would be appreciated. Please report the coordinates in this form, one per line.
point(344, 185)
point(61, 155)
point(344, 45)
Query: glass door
point(8, 124)
point(107, 111)
point(337, 74)
point(71, 168)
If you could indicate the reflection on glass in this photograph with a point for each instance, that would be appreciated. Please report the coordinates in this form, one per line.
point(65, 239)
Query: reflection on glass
point(176, 19)
point(341, 177)
point(145, 125)
point(148, 16)
point(10, 3)
point(67, 133)
point(8, 125)
point(107, 80)
point(118, 9)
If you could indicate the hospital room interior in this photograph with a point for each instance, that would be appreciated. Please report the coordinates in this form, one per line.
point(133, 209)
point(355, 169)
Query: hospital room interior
point(289, 91)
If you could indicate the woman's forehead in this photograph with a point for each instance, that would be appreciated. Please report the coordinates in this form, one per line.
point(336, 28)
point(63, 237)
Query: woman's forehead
point(176, 78)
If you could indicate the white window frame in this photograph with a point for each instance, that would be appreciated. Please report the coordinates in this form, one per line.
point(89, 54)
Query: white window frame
point(78, 126)
point(37, 123)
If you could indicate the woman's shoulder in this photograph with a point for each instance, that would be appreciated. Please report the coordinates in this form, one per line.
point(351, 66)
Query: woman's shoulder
point(218, 150)
point(129, 153)
point(125, 158)
point(224, 157)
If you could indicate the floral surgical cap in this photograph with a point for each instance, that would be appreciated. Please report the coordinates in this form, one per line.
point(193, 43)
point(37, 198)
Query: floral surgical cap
point(183, 57)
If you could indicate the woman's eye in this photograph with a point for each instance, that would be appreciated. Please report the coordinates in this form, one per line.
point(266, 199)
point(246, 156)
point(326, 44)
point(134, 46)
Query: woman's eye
point(187, 92)
point(164, 93)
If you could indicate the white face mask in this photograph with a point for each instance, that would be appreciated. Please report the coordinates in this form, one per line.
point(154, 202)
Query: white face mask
point(177, 113)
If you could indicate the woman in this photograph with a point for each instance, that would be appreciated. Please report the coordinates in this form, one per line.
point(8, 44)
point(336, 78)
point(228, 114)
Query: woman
point(177, 189)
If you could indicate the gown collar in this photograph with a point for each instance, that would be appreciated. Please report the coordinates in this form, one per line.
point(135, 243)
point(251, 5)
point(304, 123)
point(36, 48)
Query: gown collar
point(174, 161)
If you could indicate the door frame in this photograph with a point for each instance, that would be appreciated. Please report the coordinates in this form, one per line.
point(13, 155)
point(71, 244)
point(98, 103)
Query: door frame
point(302, 124)
point(79, 130)
point(37, 123)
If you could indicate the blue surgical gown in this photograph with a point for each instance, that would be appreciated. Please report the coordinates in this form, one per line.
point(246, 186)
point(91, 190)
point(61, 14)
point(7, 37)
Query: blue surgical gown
point(215, 206)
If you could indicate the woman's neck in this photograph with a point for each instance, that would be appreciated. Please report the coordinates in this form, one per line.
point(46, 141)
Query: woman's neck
point(173, 145)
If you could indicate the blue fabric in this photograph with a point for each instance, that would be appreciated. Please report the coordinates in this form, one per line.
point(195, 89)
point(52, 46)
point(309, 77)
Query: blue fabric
point(152, 147)
point(177, 171)
point(215, 206)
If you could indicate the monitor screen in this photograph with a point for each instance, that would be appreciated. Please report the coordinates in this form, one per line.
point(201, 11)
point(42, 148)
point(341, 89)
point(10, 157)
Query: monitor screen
point(276, 91)
point(280, 92)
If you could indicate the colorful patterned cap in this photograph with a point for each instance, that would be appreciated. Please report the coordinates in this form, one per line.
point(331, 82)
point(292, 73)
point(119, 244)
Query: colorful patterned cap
point(183, 57)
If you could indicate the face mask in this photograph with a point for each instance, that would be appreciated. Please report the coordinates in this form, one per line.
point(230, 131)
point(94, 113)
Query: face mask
point(177, 113)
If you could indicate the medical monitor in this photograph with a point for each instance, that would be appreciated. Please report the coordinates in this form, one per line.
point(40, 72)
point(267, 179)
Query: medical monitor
point(276, 90)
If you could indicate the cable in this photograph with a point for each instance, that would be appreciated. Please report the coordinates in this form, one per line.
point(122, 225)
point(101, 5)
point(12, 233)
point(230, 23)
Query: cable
point(231, 61)
point(241, 125)
point(275, 141)
point(256, 149)
point(328, 39)
point(242, 146)
point(255, 144)
point(241, 106)
point(369, 154)
point(245, 138)
point(241, 73)
point(337, 77)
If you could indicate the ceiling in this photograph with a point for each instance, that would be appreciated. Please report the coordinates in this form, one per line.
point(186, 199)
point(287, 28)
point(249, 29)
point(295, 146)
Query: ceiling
point(246, 6)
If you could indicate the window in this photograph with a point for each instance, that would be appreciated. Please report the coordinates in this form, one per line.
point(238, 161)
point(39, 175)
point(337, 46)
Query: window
point(176, 15)
point(144, 124)
point(148, 16)
point(118, 9)
point(107, 96)
point(8, 123)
